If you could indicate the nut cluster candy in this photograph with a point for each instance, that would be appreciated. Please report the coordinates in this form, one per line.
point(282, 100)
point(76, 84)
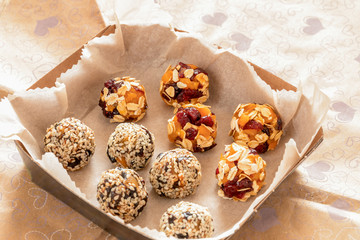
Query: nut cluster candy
point(122, 193)
point(72, 142)
point(240, 173)
point(193, 127)
point(175, 173)
point(256, 126)
point(184, 83)
point(187, 220)
point(123, 99)
point(130, 146)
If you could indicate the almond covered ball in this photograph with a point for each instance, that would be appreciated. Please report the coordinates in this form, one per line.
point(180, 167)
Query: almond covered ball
point(184, 83)
point(130, 146)
point(123, 99)
point(175, 173)
point(193, 127)
point(72, 142)
point(240, 173)
point(122, 193)
point(187, 220)
point(257, 126)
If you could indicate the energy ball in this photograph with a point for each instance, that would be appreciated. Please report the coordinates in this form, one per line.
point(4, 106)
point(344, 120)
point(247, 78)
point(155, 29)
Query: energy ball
point(72, 142)
point(240, 173)
point(184, 83)
point(122, 193)
point(130, 146)
point(257, 126)
point(123, 99)
point(175, 173)
point(187, 220)
point(193, 127)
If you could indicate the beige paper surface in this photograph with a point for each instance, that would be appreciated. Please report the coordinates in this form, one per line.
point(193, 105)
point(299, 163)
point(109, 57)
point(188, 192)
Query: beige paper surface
point(145, 54)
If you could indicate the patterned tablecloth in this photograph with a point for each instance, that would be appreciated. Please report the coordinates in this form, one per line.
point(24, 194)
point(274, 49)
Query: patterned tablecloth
point(318, 40)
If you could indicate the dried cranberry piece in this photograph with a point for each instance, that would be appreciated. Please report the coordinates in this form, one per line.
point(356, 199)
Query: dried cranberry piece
point(253, 124)
point(241, 194)
point(193, 114)
point(188, 94)
point(182, 118)
point(207, 120)
point(181, 73)
point(109, 84)
point(253, 151)
point(102, 104)
point(108, 114)
point(112, 85)
point(199, 70)
point(217, 171)
point(138, 89)
point(183, 65)
point(232, 182)
point(182, 69)
point(231, 188)
point(191, 133)
point(261, 148)
point(177, 90)
point(244, 183)
point(278, 124)
point(266, 130)
point(116, 112)
point(165, 97)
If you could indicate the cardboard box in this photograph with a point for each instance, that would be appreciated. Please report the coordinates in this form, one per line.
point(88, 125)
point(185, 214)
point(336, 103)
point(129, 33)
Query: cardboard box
point(43, 179)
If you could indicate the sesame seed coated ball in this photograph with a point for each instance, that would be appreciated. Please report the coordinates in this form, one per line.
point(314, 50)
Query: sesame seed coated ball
point(122, 193)
point(175, 173)
point(187, 220)
point(72, 142)
point(130, 146)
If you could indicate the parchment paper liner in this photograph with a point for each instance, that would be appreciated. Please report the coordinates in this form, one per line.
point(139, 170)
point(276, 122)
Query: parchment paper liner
point(144, 52)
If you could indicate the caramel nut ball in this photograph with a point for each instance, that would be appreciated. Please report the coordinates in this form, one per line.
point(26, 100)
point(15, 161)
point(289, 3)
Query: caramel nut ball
point(184, 83)
point(240, 173)
point(123, 99)
point(193, 127)
point(257, 126)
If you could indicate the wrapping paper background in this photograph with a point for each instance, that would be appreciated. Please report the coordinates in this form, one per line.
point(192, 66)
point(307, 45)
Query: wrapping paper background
point(295, 39)
point(149, 49)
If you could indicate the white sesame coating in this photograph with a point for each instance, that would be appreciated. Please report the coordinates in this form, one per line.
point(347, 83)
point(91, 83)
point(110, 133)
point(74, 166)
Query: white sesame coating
point(175, 173)
point(122, 193)
point(187, 220)
point(72, 142)
point(130, 146)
